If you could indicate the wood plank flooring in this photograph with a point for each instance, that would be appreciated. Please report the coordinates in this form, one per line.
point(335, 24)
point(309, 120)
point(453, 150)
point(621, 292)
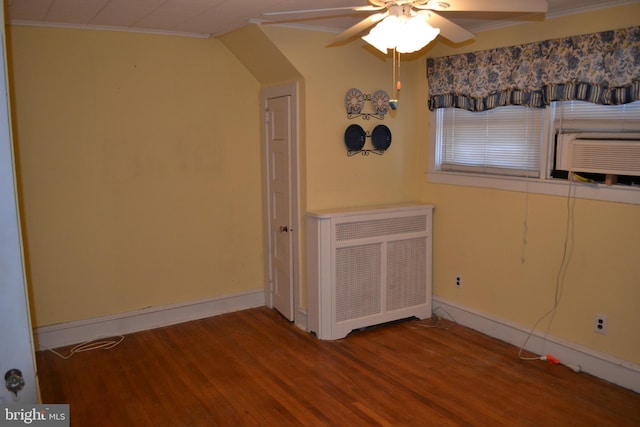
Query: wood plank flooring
point(253, 368)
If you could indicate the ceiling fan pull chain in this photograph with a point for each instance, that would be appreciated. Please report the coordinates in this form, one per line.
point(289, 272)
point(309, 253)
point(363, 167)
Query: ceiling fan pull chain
point(393, 70)
point(398, 83)
point(393, 103)
point(395, 75)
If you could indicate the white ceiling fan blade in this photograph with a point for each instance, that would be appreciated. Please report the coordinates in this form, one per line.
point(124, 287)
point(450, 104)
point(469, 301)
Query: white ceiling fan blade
point(358, 28)
point(328, 9)
point(448, 29)
point(533, 6)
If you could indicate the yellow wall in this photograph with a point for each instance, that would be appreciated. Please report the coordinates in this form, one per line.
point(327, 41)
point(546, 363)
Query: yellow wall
point(140, 170)
point(479, 234)
point(333, 179)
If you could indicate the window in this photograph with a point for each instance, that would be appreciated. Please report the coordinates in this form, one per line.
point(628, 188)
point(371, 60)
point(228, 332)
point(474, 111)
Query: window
point(512, 147)
point(501, 141)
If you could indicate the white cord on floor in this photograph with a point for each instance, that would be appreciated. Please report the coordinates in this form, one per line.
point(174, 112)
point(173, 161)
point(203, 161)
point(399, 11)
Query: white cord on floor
point(103, 344)
point(435, 319)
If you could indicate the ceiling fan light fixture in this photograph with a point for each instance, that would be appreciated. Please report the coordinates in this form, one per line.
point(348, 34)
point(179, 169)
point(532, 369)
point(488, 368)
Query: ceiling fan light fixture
point(383, 35)
point(405, 34)
point(416, 35)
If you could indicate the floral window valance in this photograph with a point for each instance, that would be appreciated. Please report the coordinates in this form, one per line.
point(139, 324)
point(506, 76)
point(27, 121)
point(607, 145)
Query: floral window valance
point(603, 68)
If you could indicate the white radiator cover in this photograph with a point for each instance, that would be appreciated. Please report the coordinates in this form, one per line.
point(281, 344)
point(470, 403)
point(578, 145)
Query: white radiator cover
point(367, 266)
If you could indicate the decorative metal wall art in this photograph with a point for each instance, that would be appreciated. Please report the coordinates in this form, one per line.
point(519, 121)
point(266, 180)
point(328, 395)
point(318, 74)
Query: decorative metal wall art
point(355, 136)
point(355, 100)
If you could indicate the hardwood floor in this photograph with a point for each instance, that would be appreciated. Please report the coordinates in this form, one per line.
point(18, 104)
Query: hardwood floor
point(253, 368)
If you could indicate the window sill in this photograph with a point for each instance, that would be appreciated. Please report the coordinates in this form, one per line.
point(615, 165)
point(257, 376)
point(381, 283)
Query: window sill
point(581, 190)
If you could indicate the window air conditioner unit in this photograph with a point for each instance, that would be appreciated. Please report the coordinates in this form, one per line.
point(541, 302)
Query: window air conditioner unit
point(606, 153)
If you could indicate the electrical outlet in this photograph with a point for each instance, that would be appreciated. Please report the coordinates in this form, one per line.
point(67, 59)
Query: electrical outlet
point(458, 282)
point(600, 324)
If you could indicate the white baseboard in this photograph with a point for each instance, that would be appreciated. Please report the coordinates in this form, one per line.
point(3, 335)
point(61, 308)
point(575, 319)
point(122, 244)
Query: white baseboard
point(64, 334)
point(301, 320)
point(601, 365)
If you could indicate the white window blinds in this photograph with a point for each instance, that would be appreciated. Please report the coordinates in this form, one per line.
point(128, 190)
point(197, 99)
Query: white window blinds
point(503, 141)
point(580, 115)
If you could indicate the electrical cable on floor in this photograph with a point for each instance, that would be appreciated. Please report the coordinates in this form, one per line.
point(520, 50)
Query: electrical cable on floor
point(102, 344)
point(435, 319)
point(453, 319)
point(566, 256)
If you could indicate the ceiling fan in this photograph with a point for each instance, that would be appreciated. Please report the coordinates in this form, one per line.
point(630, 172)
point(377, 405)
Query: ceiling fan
point(424, 11)
point(405, 26)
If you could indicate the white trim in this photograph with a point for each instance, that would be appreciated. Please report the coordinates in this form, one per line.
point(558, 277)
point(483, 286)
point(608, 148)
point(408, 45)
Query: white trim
point(617, 371)
point(307, 27)
point(63, 334)
point(20, 23)
point(301, 319)
point(560, 187)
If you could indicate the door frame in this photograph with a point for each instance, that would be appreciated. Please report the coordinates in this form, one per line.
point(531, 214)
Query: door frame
point(267, 93)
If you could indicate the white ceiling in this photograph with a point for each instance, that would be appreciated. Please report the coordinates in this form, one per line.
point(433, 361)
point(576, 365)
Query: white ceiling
point(205, 18)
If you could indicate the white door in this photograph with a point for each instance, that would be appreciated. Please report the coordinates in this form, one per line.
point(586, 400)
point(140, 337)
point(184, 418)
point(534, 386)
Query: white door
point(17, 362)
point(278, 130)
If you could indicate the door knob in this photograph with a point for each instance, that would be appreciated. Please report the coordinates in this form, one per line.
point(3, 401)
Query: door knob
point(284, 229)
point(14, 381)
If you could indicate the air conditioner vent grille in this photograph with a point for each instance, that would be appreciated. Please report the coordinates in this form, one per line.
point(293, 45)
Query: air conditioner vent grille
point(609, 157)
point(380, 227)
point(605, 153)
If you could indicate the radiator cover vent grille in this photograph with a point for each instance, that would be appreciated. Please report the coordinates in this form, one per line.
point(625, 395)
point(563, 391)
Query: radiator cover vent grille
point(358, 281)
point(380, 227)
point(406, 273)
